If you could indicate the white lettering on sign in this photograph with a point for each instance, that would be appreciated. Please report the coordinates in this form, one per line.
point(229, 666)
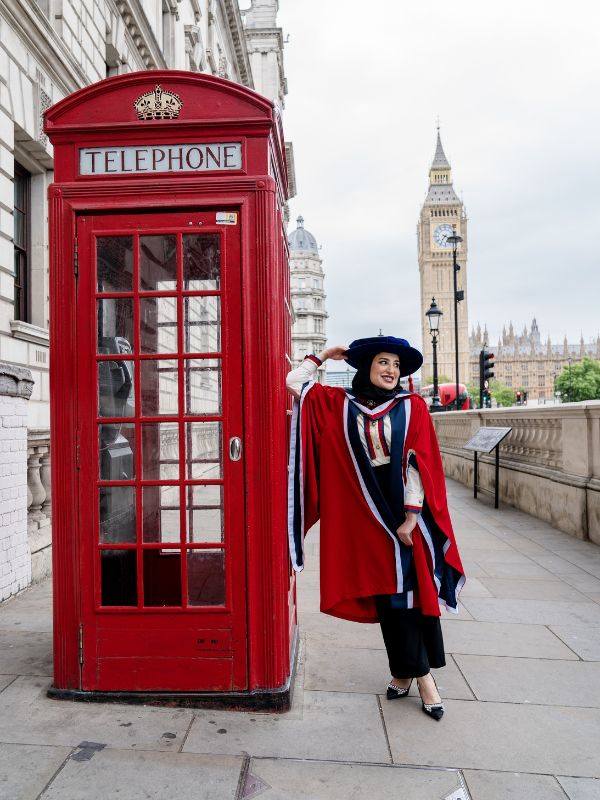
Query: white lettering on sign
point(160, 158)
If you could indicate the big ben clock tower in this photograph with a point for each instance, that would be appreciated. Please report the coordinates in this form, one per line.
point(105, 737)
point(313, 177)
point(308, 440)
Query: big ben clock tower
point(442, 213)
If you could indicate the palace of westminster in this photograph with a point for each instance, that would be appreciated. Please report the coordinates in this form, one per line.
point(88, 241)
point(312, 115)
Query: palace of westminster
point(522, 360)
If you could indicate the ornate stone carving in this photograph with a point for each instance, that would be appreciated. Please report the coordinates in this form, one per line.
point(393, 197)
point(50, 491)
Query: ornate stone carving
point(15, 381)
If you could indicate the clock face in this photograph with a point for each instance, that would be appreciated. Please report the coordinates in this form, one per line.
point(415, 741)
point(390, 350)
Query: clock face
point(441, 234)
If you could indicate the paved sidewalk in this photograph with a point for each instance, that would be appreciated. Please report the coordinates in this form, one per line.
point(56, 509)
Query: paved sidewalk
point(522, 691)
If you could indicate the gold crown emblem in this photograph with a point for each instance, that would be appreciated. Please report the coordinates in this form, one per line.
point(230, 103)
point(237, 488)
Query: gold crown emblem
point(158, 105)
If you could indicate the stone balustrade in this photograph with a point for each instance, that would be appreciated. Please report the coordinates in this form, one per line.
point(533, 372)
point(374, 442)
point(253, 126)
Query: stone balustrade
point(39, 502)
point(549, 463)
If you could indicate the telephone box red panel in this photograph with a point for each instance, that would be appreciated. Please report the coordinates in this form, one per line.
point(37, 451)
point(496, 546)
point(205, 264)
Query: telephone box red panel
point(170, 326)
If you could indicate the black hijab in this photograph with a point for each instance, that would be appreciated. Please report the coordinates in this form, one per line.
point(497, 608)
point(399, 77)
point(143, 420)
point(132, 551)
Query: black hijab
point(365, 390)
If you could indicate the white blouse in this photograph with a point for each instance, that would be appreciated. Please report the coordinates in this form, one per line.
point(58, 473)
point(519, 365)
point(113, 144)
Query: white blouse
point(375, 435)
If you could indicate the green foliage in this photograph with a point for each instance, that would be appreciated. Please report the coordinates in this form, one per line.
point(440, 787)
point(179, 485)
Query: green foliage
point(503, 395)
point(579, 381)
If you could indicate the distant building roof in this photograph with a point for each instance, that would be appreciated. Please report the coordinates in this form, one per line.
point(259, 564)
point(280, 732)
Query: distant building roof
point(301, 239)
point(439, 160)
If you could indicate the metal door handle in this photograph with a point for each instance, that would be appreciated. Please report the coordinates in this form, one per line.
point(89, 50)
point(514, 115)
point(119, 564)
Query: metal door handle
point(235, 448)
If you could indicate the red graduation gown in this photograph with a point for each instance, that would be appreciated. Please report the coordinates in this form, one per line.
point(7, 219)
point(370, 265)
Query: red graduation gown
point(331, 479)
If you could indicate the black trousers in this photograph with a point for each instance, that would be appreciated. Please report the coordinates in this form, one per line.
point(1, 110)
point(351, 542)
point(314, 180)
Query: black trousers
point(413, 640)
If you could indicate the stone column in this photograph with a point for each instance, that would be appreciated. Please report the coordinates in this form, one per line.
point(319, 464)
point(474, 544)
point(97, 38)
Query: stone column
point(16, 385)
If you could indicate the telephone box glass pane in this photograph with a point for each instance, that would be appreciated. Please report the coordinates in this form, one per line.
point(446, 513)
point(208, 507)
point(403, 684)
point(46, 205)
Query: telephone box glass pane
point(203, 450)
point(206, 577)
point(114, 260)
point(159, 387)
point(119, 577)
point(201, 261)
point(158, 263)
point(158, 324)
point(205, 514)
point(202, 386)
point(116, 452)
point(162, 577)
point(160, 451)
point(202, 324)
point(117, 514)
point(160, 514)
point(115, 389)
point(115, 325)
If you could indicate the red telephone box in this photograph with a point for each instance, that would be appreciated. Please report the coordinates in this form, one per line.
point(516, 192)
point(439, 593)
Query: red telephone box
point(170, 324)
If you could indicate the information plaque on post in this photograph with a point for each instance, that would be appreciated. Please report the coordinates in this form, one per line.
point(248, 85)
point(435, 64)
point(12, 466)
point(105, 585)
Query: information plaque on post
point(484, 441)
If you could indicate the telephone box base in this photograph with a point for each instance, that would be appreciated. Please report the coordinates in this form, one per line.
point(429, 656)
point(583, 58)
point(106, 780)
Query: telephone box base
point(276, 700)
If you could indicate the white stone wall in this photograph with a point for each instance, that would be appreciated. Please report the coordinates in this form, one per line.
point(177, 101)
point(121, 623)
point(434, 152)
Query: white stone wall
point(49, 49)
point(309, 331)
point(15, 555)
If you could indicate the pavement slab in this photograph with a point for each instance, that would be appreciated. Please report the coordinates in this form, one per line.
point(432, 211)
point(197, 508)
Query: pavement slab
point(474, 587)
point(6, 680)
point(485, 785)
point(28, 715)
point(26, 769)
point(30, 610)
point(26, 652)
point(580, 788)
point(147, 776)
point(539, 612)
point(503, 639)
point(361, 670)
point(583, 639)
point(559, 566)
point(296, 780)
point(532, 680)
point(525, 569)
point(334, 726)
point(520, 589)
point(339, 632)
point(501, 737)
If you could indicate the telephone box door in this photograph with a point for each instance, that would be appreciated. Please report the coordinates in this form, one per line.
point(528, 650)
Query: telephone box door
point(160, 452)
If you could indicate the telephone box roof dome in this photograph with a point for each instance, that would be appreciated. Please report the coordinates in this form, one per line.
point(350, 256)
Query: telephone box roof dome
point(301, 239)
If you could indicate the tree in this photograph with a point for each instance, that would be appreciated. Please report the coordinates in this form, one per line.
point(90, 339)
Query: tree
point(579, 382)
point(503, 395)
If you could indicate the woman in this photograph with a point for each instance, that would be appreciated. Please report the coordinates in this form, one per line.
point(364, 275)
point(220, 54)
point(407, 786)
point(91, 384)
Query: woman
point(367, 464)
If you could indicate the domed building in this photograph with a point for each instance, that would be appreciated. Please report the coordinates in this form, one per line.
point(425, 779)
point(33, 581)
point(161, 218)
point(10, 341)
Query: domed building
point(308, 295)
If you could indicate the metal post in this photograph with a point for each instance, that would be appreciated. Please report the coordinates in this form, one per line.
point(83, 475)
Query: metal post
point(455, 270)
point(436, 398)
point(497, 488)
point(475, 474)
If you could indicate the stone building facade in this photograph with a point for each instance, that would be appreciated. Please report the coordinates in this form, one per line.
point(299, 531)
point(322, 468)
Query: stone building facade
point(309, 334)
point(442, 212)
point(49, 49)
point(524, 362)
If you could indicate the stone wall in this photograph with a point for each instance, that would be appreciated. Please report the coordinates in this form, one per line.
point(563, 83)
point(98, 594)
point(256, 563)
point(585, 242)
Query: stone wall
point(549, 463)
point(15, 557)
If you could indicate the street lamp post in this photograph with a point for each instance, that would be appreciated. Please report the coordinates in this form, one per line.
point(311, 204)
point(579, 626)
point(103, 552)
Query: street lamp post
point(454, 240)
point(433, 317)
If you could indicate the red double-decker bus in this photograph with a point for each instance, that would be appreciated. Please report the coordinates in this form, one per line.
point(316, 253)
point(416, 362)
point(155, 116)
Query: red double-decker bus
point(447, 395)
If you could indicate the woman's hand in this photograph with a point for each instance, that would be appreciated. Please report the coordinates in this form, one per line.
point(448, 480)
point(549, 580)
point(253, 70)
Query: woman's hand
point(336, 353)
point(405, 530)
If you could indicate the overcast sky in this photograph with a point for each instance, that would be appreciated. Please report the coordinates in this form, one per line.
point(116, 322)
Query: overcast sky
point(517, 89)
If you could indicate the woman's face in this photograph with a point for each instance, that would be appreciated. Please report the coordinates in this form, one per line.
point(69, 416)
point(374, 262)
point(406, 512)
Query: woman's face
point(385, 370)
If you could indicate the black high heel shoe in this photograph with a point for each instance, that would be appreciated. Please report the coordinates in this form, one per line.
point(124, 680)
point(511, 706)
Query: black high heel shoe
point(394, 692)
point(433, 710)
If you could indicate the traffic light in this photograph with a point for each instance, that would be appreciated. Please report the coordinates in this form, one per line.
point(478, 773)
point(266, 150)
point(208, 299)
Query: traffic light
point(519, 398)
point(486, 373)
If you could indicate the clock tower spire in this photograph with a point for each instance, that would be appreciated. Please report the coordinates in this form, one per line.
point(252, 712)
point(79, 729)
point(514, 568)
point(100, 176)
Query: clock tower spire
point(443, 212)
